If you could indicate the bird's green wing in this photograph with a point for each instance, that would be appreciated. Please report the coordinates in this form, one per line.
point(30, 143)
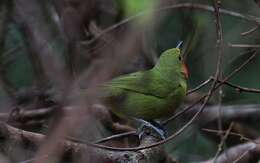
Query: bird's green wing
point(144, 82)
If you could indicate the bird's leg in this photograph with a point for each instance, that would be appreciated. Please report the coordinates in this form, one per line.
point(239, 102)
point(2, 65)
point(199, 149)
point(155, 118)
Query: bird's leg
point(157, 127)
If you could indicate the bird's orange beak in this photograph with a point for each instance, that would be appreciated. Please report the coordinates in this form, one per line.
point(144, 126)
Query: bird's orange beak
point(185, 70)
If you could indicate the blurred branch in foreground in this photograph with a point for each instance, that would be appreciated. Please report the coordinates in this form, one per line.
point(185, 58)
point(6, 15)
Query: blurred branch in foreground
point(5, 14)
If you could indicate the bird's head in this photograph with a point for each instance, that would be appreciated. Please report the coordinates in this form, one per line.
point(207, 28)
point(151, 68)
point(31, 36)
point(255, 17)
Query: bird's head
point(172, 59)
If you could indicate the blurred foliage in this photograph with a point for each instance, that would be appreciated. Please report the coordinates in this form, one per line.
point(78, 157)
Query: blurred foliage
point(133, 7)
point(19, 69)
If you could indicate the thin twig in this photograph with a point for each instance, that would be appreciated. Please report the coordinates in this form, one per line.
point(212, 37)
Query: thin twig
point(240, 88)
point(210, 79)
point(116, 136)
point(176, 115)
point(239, 68)
point(77, 140)
point(243, 45)
point(252, 30)
point(243, 155)
point(242, 137)
point(33, 159)
point(223, 139)
point(165, 122)
point(237, 87)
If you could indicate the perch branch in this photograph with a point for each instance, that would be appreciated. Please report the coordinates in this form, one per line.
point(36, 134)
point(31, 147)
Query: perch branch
point(9, 134)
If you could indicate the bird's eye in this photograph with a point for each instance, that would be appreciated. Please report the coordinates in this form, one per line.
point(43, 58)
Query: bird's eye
point(179, 57)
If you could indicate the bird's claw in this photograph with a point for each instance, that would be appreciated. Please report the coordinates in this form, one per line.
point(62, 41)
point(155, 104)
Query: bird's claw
point(146, 126)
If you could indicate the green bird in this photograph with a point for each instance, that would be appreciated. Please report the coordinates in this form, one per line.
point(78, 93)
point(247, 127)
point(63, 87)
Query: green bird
point(151, 94)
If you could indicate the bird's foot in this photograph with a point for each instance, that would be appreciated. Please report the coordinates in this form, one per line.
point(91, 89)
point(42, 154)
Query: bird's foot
point(155, 126)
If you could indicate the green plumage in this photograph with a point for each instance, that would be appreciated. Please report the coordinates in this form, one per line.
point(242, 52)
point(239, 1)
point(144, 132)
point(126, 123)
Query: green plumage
point(151, 94)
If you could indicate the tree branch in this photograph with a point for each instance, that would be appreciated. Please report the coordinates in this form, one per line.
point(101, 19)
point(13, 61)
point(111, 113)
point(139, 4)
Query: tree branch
point(30, 140)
